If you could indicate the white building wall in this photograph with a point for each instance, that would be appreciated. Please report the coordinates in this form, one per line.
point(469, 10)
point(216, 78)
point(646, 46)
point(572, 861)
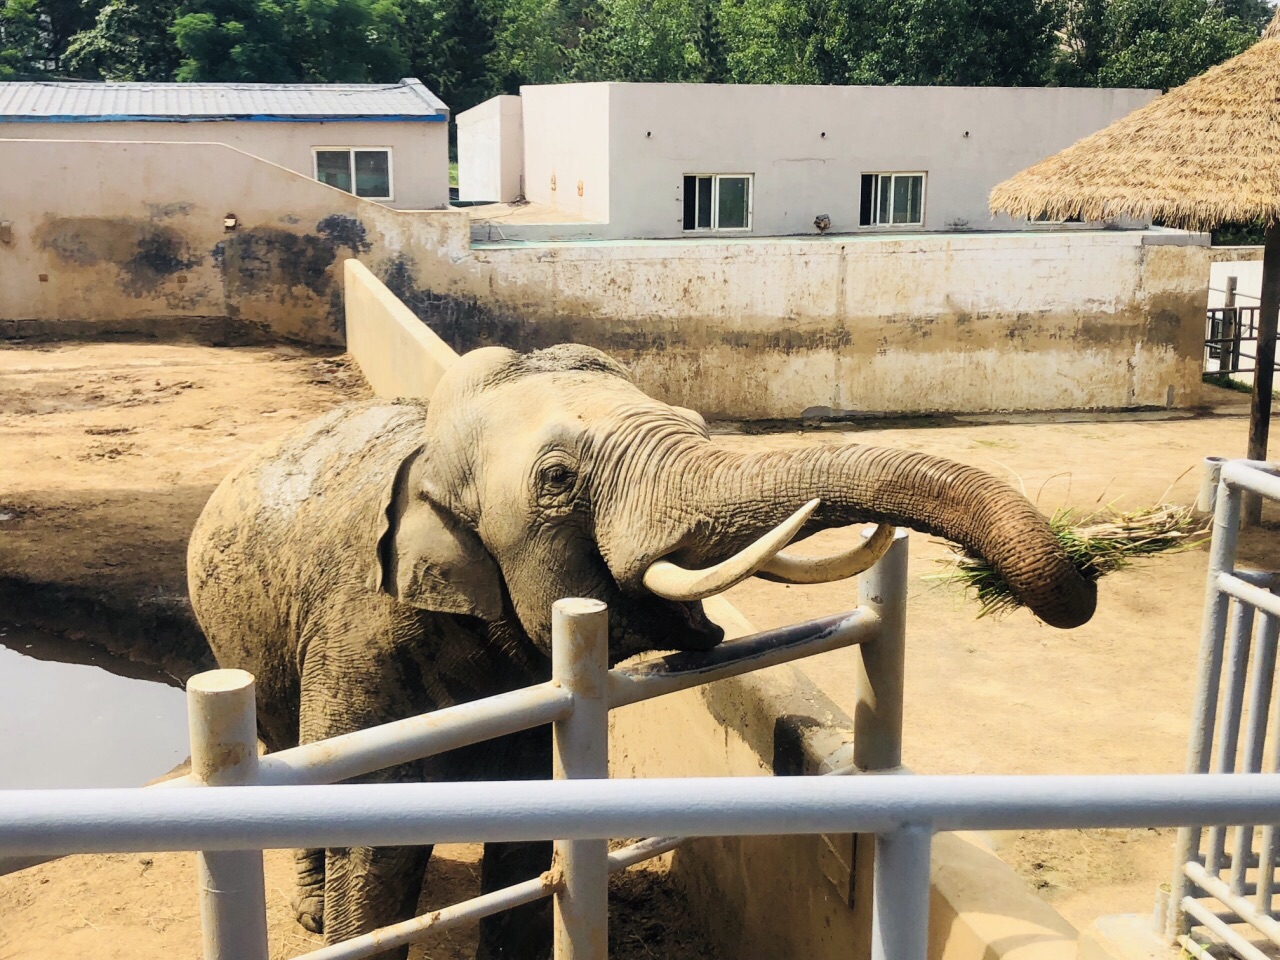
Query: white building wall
point(419, 151)
point(1248, 274)
point(807, 147)
point(491, 150)
point(567, 148)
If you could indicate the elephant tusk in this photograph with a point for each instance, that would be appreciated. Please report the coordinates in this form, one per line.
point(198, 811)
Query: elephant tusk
point(673, 582)
point(788, 568)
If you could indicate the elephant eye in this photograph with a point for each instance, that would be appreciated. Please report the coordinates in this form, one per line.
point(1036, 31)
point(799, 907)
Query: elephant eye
point(557, 477)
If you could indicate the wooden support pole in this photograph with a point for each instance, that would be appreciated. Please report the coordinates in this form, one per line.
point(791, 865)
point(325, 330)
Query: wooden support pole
point(1264, 365)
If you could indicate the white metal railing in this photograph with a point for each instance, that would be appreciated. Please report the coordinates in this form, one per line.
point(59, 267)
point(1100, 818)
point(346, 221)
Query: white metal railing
point(576, 702)
point(1225, 892)
point(272, 802)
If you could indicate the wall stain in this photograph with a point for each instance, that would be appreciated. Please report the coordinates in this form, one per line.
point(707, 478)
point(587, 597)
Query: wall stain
point(343, 231)
point(167, 211)
point(145, 253)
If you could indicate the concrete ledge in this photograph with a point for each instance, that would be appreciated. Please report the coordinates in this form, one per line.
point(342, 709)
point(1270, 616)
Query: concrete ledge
point(1125, 936)
point(397, 353)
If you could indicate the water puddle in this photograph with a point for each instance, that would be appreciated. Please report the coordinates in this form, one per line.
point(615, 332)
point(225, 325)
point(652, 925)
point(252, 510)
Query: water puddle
point(74, 716)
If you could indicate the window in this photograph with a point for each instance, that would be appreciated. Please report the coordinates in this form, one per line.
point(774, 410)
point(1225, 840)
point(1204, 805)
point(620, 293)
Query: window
point(892, 199)
point(1045, 218)
point(717, 201)
point(366, 173)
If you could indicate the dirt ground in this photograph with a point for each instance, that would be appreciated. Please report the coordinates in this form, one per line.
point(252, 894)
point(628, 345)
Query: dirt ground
point(112, 448)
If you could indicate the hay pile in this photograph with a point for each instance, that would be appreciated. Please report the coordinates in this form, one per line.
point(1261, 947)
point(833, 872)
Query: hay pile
point(1097, 544)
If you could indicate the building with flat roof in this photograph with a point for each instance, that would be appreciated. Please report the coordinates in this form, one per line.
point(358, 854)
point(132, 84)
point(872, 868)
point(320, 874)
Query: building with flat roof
point(387, 142)
point(652, 160)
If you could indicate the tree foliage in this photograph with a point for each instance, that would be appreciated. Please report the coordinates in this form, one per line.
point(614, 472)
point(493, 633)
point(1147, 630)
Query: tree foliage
point(467, 50)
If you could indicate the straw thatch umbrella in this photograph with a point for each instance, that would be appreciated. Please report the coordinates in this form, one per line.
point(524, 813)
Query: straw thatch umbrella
point(1206, 153)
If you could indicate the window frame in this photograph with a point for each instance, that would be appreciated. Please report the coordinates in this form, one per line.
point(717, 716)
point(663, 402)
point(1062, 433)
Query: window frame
point(715, 203)
point(879, 176)
point(351, 167)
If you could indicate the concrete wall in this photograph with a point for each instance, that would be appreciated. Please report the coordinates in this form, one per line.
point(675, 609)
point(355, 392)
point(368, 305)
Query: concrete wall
point(396, 352)
point(567, 148)
point(419, 151)
point(491, 150)
point(806, 147)
point(129, 237)
point(790, 328)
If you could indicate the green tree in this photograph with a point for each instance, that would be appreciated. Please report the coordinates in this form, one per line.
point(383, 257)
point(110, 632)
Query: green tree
point(1151, 43)
point(535, 40)
point(952, 42)
point(233, 40)
point(129, 40)
point(1164, 43)
point(347, 41)
point(780, 41)
point(640, 41)
point(34, 34)
point(449, 45)
point(20, 47)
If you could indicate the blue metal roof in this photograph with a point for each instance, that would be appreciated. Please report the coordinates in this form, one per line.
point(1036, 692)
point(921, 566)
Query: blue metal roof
point(73, 102)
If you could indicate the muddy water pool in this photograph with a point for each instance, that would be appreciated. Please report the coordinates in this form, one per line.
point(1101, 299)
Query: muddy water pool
point(74, 716)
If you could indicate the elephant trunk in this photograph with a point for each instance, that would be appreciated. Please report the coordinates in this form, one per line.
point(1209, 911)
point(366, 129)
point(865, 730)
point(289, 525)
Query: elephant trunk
point(731, 499)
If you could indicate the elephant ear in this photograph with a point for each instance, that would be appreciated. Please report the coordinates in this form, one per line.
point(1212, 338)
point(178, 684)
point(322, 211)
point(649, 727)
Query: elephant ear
point(428, 559)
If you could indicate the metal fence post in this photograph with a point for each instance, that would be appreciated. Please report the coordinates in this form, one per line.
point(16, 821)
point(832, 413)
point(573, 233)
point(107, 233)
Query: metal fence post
point(900, 921)
point(877, 724)
point(580, 662)
point(1213, 631)
point(224, 752)
point(877, 718)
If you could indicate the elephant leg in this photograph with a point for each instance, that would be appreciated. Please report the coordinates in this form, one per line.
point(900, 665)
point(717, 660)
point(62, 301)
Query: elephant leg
point(308, 893)
point(371, 887)
point(523, 933)
point(346, 892)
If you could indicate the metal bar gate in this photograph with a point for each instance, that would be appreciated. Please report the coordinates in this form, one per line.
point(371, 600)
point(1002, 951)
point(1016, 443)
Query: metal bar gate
point(1216, 889)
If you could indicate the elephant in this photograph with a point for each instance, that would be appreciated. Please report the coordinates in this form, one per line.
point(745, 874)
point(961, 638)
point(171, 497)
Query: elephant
point(396, 557)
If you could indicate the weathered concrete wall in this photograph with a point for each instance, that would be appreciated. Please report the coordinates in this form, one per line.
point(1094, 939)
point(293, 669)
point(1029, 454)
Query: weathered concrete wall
point(397, 353)
point(419, 151)
point(491, 150)
point(129, 237)
point(788, 328)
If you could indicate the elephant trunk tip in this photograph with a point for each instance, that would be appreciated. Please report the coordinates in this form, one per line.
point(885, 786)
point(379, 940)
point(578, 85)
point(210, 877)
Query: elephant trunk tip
point(1072, 605)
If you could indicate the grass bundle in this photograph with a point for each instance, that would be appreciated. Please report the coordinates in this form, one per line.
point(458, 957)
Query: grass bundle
point(1097, 544)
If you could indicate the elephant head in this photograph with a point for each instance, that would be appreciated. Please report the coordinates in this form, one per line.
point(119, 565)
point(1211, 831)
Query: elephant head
point(551, 474)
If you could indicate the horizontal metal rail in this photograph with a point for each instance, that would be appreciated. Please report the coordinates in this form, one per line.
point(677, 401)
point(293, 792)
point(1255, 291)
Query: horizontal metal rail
point(241, 818)
point(1241, 589)
point(402, 741)
point(1265, 924)
point(1221, 929)
point(1253, 475)
point(437, 921)
point(680, 671)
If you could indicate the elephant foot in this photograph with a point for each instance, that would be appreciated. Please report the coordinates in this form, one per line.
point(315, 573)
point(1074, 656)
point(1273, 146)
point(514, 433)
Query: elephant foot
point(308, 908)
point(308, 891)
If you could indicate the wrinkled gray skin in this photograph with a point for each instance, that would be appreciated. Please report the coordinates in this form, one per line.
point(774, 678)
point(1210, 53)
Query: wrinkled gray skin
point(390, 559)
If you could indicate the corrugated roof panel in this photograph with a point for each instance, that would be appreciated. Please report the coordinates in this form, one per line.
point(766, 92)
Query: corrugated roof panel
point(72, 101)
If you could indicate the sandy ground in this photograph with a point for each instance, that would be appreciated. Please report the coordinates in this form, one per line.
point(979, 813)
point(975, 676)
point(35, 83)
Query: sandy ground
point(111, 449)
point(143, 907)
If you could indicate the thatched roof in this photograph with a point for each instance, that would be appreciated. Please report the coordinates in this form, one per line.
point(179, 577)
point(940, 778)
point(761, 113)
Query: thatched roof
point(1205, 153)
